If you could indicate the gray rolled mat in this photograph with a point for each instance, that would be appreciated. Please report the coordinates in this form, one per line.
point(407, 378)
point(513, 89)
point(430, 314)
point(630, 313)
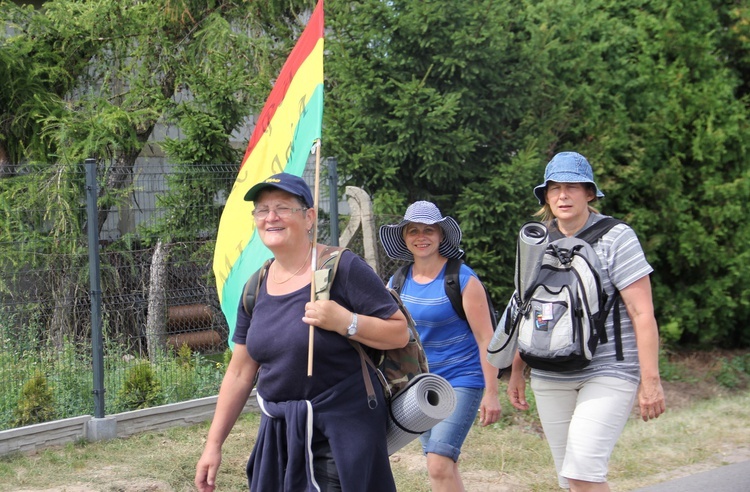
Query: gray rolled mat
point(502, 347)
point(532, 242)
point(425, 402)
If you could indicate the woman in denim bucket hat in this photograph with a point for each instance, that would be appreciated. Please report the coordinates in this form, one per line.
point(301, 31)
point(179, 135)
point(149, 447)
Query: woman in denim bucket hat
point(584, 411)
point(567, 167)
point(453, 345)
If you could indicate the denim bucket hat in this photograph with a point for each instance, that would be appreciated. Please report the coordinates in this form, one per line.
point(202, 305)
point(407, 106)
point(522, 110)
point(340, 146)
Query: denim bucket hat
point(567, 167)
point(422, 212)
point(286, 182)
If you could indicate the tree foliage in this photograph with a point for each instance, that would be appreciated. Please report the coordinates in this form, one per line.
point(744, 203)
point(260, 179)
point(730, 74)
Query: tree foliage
point(462, 103)
point(466, 103)
point(94, 79)
point(421, 96)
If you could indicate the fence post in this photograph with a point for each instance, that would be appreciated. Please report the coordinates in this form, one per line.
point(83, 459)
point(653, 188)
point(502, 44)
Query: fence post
point(96, 292)
point(333, 195)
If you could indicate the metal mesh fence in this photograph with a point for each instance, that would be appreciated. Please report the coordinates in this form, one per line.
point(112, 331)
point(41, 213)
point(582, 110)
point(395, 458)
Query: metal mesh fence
point(45, 299)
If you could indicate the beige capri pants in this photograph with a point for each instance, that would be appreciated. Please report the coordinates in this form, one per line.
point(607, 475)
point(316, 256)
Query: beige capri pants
point(582, 421)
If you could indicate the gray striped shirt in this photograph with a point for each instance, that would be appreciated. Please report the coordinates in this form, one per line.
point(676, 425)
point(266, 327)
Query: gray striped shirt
point(623, 262)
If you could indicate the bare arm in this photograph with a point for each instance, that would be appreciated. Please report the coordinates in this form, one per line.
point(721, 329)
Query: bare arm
point(517, 384)
point(374, 332)
point(478, 315)
point(639, 304)
point(233, 394)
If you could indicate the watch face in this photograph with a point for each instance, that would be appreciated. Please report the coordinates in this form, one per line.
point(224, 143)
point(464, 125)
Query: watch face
point(352, 330)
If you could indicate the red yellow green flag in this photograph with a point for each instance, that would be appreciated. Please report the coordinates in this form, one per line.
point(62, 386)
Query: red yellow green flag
point(288, 126)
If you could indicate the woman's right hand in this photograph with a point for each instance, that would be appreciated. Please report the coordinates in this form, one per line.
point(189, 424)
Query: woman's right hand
point(235, 390)
point(517, 390)
point(206, 469)
point(517, 384)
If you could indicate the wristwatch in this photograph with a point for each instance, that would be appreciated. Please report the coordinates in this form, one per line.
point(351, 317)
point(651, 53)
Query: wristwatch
point(352, 330)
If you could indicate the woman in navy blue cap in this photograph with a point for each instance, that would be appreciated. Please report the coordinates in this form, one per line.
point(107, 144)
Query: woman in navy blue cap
point(584, 411)
point(453, 345)
point(316, 433)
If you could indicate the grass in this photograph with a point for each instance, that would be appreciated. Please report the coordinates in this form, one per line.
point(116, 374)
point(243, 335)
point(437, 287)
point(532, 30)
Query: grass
point(30, 370)
point(708, 429)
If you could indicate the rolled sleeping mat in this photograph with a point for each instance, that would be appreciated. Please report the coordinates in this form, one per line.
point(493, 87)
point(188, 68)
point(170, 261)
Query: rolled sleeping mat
point(532, 242)
point(427, 400)
point(502, 347)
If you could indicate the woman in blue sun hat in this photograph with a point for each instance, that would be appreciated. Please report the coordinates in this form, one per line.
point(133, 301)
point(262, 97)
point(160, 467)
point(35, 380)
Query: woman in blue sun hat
point(452, 345)
point(583, 412)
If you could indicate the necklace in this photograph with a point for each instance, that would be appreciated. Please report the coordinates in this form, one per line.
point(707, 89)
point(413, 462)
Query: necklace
point(304, 264)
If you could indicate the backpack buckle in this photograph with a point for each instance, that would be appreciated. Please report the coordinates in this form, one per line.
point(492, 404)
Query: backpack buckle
point(372, 402)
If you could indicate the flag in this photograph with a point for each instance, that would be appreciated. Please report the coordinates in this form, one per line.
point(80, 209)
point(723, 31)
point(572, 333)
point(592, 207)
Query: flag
point(289, 124)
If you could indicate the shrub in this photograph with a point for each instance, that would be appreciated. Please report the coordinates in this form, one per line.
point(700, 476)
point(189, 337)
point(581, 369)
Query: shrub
point(72, 379)
point(36, 403)
point(141, 389)
point(668, 370)
point(185, 356)
point(733, 372)
point(227, 357)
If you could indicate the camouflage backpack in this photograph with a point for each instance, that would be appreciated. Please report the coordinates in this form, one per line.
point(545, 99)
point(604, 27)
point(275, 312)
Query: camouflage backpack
point(395, 367)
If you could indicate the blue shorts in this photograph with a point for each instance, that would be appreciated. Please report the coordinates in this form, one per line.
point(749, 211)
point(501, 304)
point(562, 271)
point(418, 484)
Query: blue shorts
point(447, 437)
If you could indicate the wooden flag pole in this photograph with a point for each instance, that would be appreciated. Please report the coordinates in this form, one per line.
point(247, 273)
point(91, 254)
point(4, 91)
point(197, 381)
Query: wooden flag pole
point(314, 259)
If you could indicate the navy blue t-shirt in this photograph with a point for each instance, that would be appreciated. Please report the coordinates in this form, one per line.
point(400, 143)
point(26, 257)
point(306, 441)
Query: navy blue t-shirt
point(278, 340)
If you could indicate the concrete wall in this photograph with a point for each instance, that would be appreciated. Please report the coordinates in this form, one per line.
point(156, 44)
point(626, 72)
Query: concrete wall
point(33, 438)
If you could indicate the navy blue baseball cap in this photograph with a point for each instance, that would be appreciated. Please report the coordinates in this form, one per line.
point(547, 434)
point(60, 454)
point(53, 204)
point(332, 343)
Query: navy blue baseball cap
point(283, 181)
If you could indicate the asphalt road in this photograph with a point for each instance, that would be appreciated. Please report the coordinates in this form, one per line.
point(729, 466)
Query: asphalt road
point(728, 478)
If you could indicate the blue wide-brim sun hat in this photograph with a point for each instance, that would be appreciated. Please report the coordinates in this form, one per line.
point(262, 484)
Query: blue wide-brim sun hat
point(567, 167)
point(422, 212)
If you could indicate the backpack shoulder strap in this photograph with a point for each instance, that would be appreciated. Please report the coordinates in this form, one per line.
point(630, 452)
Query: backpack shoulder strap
point(327, 267)
point(453, 286)
point(329, 256)
point(595, 232)
point(328, 263)
point(413, 354)
point(397, 283)
point(252, 286)
point(591, 236)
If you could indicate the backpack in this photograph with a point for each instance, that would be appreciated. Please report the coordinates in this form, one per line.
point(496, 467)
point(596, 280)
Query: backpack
point(561, 321)
point(451, 285)
point(395, 367)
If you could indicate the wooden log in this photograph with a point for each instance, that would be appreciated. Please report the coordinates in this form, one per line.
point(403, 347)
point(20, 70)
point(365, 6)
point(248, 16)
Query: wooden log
point(196, 340)
point(189, 317)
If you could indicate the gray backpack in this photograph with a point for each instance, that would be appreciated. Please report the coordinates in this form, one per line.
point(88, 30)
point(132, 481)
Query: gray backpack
point(561, 322)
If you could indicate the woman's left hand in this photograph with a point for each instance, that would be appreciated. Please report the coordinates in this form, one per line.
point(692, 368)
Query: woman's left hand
point(651, 399)
point(328, 315)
